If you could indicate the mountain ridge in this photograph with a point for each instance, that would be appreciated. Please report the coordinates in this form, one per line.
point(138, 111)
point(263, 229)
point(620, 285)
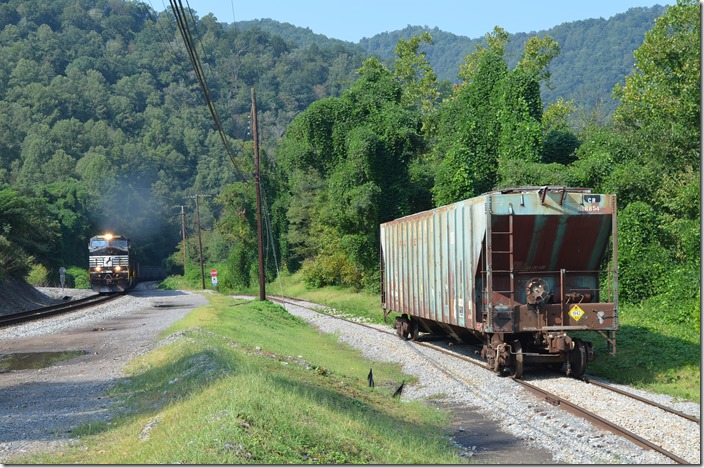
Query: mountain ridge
point(612, 40)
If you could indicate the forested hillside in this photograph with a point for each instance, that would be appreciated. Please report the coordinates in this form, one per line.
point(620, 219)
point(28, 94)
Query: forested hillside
point(103, 126)
point(596, 53)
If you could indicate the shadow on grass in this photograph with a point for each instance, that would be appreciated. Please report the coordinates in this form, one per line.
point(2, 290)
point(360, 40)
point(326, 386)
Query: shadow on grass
point(377, 425)
point(153, 389)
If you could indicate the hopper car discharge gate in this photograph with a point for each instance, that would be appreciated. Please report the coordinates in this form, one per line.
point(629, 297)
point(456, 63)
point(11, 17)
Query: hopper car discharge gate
point(518, 270)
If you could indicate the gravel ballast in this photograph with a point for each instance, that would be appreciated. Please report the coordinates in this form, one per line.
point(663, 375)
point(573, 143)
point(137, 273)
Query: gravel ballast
point(39, 407)
point(513, 409)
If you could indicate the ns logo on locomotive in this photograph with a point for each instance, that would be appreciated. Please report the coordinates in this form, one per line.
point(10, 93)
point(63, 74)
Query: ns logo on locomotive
point(112, 266)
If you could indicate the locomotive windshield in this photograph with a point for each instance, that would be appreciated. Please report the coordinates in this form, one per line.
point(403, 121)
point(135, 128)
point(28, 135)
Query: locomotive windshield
point(108, 246)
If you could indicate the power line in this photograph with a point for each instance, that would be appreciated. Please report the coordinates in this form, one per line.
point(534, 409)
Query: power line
point(186, 35)
point(164, 38)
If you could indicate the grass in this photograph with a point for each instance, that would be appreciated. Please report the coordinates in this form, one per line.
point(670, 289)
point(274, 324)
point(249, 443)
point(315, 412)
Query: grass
point(244, 382)
point(652, 352)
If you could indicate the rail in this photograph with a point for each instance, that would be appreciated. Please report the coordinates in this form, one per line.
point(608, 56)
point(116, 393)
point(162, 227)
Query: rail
point(547, 396)
point(43, 312)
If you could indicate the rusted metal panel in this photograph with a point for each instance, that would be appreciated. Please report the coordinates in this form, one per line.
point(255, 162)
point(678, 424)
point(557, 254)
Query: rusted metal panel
point(430, 260)
point(468, 264)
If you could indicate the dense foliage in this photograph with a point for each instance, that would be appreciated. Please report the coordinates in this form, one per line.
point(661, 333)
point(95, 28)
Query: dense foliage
point(347, 160)
point(102, 126)
point(596, 54)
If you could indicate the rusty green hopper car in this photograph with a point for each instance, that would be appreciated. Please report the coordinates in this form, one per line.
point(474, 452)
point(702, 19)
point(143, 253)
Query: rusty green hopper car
point(518, 269)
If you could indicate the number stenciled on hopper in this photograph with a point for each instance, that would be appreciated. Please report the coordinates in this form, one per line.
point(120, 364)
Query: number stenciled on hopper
point(592, 204)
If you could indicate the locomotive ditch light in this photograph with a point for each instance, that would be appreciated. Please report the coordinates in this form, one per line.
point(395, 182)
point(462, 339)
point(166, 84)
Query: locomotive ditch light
point(98, 268)
point(118, 268)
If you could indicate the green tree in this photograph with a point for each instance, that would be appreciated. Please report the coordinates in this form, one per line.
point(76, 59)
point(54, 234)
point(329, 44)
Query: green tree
point(350, 156)
point(660, 114)
point(418, 80)
point(660, 101)
point(650, 158)
point(467, 147)
point(642, 260)
point(560, 141)
point(491, 131)
point(28, 233)
point(237, 225)
point(519, 112)
point(69, 203)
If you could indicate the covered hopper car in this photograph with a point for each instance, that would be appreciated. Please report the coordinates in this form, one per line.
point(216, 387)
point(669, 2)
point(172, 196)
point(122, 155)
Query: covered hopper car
point(520, 270)
point(112, 265)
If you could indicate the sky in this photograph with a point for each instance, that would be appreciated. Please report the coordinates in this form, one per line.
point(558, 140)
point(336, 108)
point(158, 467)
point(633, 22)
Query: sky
point(357, 19)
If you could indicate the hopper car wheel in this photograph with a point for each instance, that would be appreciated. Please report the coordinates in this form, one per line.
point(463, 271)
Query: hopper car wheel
point(403, 327)
point(578, 359)
point(414, 330)
point(516, 369)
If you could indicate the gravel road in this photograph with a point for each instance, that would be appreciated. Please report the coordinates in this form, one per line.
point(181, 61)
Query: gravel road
point(39, 407)
point(496, 421)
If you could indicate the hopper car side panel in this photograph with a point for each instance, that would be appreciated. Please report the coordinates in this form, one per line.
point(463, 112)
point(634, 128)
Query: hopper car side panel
point(517, 269)
point(431, 262)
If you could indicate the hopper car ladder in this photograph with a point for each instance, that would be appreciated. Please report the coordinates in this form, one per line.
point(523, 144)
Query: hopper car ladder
point(493, 258)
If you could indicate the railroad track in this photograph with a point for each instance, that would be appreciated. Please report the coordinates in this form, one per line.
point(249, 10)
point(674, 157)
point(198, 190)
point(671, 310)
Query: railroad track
point(556, 400)
point(43, 312)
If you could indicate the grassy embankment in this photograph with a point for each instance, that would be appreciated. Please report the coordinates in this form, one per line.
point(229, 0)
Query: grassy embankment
point(654, 352)
point(245, 382)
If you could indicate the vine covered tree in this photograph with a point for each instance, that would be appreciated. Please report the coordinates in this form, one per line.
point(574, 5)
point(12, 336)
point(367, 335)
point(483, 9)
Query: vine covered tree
point(347, 160)
point(417, 78)
point(492, 124)
point(660, 116)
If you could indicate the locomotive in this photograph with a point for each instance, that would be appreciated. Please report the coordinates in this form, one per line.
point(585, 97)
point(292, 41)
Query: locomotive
point(517, 270)
point(112, 265)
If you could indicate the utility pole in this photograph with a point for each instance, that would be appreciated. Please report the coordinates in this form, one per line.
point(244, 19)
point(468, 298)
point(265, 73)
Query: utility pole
point(200, 242)
point(183, 236)
point(257, 182)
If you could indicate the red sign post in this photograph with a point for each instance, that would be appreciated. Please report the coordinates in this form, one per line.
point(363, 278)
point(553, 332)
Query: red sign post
point(214, 277)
